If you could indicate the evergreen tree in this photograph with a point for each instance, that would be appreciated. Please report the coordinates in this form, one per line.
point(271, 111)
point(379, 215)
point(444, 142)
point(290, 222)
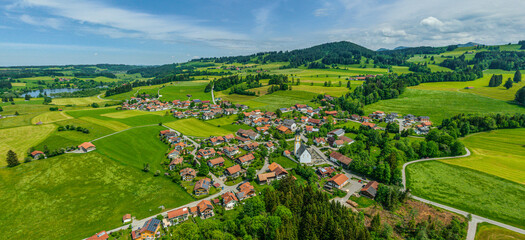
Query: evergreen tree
point(508, 84)
point(27, 97)
point(12, 159)
point(375, 225)
point(520, 96)
point(517, 76)
point(1, 109)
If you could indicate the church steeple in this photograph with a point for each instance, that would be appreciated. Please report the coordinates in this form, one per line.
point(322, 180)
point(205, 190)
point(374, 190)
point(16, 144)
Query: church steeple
point(297, 142)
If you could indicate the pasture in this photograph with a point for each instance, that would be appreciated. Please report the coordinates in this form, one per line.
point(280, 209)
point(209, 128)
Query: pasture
point(83, 101)
point(442, 104)
point(487, 231)
point(179, 90)
point(470, 190)
point(135, 147)
point(62, 139)
point(280, 99)
point(131, 113)
point(197, 128)
point(480, 87)
point(113, 125)
point(27, 110)
point(73, 196)
point(49, 117)
point(20, 139)
point(499, 152)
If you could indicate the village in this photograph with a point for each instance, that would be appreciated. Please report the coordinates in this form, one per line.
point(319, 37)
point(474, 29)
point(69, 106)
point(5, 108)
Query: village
point(223, 171)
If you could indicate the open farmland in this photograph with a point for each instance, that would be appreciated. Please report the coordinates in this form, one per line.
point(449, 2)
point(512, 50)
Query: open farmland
point(197, 128)
point(469, 190)
point(20, 139)
point(135, 147)
point(83, 101)
point(442, 104)
point(75, 195)
point(499, 152)
point(62, 139)
point(180, 90)
point(49, 117)
point(280, 99)
point(481, 87)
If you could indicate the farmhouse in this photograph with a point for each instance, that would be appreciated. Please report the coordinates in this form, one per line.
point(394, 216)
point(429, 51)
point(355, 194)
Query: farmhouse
point(337, 181)
point(188, 174)
point(284, 129)
point(86, 147)
point(337, 157)
point(202, 187)
point(265, 178)
point(148, 231)
point(370, 190)
point(38, 155)
point(279, 171)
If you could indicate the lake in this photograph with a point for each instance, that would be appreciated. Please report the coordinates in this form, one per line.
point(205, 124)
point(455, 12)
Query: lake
point(48, 92)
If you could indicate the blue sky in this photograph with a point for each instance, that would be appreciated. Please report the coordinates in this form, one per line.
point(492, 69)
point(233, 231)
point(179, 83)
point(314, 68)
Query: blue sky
point(39, 32)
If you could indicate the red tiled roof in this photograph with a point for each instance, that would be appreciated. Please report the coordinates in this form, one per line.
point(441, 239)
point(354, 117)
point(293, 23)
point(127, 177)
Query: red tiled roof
point(339, 179)
point(178, 212)
point(234, 169)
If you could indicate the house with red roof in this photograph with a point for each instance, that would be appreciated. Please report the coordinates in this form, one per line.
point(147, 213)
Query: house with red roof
point(229, 200)
point(246, 159)
point(86, 147)
point(233, 171)
point(99, 236)
point(205, 209)
point(338, 181)
point(176, 161)
point(38, 155)
point(179, 215)
point(188, 174)
point(216, 162)
point(370, 189)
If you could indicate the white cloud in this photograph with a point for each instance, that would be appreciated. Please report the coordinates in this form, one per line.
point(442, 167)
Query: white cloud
point(117, 22)
point(432, 22)
point(43, 22)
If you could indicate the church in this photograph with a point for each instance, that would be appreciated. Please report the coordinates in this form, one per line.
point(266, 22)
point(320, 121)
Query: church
point(301, 151)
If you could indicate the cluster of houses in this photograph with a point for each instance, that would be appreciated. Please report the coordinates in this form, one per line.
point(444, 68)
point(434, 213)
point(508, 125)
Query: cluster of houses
point(421, 124)
point(197, 108)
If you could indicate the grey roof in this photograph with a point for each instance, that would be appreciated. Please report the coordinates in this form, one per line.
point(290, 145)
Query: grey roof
point(301, 149)
point(372, 191)
point(152, 224)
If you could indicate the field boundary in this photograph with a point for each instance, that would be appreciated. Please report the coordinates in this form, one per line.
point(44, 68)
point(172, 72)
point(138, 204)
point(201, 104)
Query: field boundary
point(475, 219)
point(111, 134)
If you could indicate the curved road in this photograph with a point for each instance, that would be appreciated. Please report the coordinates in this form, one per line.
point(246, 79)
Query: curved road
point(473, 223)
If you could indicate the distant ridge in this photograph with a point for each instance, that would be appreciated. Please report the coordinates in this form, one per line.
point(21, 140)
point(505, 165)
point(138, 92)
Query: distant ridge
point(469, 44)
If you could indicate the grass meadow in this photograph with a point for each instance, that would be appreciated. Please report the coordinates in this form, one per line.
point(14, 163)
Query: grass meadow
point(62, 139)
point(480, 87)
point(116, 119)
point(280, 99)
point(84, 101)
point(197, 128)
point(487, 231)
point(135, 147)
point(500, 153)
point(179, 90)
point(74, 196)
point(49, 117)
point(470, 190)
point(442, 104)
point(20, 139)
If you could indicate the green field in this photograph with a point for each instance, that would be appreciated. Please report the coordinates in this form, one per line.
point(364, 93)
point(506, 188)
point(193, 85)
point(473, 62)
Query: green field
point(179, 90)
point(197, 128)
point(20, 139)
point(487, 231)
point(84, 101)
point(49, 117)
point(480, 87)
point(74, 196)
point(285, 162)
point(26, 110)
point(62, 139)
point(470, 190)
point(280, 99)
point(135, 147)
point(500, 153)
point(112, 117)
point(131, 113)
point(442, 104)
